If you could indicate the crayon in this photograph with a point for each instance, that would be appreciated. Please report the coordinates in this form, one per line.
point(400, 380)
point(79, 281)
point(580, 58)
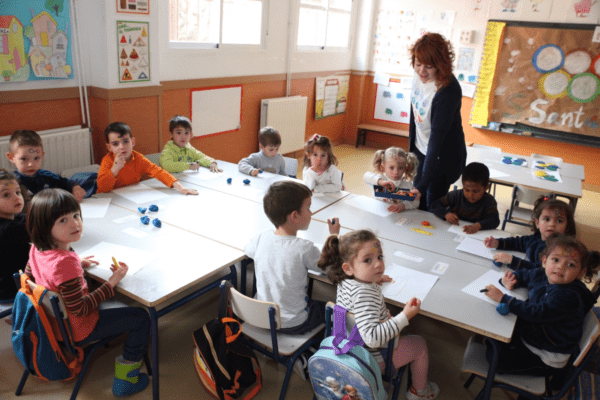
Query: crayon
point(483, 291)
point(116, 263)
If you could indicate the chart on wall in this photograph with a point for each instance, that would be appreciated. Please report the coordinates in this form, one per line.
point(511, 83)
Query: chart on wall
point(133, 6)
point(35, 40)
point(133, 51)
point(331, 95)
point(392, 101)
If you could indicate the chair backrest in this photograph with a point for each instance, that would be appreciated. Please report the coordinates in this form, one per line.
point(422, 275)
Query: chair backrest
point(47, 304)
point(154, 158)
point(291, 166)
point(526, 195)
point(542, 157)
point(487, 148)
point(255, 312)
point(591, 332)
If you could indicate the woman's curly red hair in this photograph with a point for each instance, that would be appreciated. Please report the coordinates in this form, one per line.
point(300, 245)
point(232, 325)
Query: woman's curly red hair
point(433, 49)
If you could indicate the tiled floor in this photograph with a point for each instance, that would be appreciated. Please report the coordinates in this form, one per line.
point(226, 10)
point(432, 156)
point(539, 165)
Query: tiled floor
point(178, 377)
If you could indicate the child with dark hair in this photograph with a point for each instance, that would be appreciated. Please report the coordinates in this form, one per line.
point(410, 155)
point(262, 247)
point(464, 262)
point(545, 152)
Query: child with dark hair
point(268, 158)
point(472, 203)
point(178, 154)
point(549, 216)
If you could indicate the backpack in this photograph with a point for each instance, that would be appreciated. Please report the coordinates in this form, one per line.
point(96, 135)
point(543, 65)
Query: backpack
point(33, 339)
point(227, 367)
point(341, 362)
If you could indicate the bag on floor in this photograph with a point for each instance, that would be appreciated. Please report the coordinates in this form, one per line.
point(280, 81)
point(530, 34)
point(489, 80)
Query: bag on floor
point(33, 339)
point(343, 367)
point(227, 367)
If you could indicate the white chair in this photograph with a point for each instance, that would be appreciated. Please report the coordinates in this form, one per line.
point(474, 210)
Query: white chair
point(68, 173)
point(154, 158)
point(291, 166)
point(261, 322)
point(532, 387)
point(521, 205)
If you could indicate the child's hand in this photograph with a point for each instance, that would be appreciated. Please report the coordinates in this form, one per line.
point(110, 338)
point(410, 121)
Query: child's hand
point(334, 226)
point(214, 168)
point(416, 192)
point(385, 278)
point(472, 228)
point(88, 262)
point(389, 185)
point(452, 218)
point(118, 273)
point(194, 166)
point(399, 207)
point(412, 308)
point(491, 243)
point(118, 164)
point(79, 193)
point(254, 172)
point(503, 258)
point(184, 190)
point(509, 280)
point(494, 293)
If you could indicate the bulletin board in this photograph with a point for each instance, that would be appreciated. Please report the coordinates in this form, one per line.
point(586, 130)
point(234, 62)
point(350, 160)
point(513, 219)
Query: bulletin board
point(331, 95)
point(540, 76)
point(216, 110)
point(392, 101)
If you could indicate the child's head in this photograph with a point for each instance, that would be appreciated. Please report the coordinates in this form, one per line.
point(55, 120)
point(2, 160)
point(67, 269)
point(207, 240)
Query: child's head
point(357, 255)
point(54, 219)
point(269, 141)
point(119, 139)
point(552, 215)
point(26, 151)
point(566, 259)
point(288, 201)
point(396, 163)
point(475, 180)
point(318, 153)
point(11, 199)
point(180, 129)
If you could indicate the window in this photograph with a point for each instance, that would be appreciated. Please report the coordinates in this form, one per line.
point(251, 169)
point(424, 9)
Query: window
point(213, 23)
point(324, 23)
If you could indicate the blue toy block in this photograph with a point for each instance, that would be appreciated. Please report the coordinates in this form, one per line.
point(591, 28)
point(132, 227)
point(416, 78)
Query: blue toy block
point(153, 208)
point(246, 181)
point(145, 220)
point(142, 210)
point(228, 180)
point(497, 263)
point(502, 309)
point(156, 222)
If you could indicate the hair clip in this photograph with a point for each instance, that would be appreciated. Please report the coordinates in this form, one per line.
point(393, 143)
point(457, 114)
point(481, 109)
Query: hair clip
point(546, 199)
point(316, 136)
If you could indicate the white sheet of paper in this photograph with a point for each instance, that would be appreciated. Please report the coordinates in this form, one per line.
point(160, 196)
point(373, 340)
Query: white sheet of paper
point(474, 246)
point(202, 174)
point(492, 277)
point(555, 174)
point(368, 204)
point(140, 193)
point(481, 235)
point(468, 90)
point(497, 174)
point(381, 78)
point(126, 219)
point(337, 195)
point(440, 268)
point(135, 233)
point(94, 208)
point(134, 258)
point(407, 256)
point(318, 194)
point(403, 221)
point(407, 283)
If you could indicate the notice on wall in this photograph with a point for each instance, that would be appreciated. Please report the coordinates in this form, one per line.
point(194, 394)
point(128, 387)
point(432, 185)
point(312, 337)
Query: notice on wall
point(133, 6)
point(392, 102)
point(133, 51)
point(331, 95)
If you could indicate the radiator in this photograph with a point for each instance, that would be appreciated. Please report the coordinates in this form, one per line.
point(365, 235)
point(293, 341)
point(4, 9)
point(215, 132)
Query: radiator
point(65, 148)
point(288, 116)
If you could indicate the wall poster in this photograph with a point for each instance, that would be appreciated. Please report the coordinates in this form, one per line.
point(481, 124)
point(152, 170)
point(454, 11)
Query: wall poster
point(133, 51)
point(331, 95)
point(392, 102)
point(133, 6)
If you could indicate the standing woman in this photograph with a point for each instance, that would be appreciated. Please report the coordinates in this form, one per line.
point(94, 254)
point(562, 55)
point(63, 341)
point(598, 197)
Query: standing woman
point(436, 135)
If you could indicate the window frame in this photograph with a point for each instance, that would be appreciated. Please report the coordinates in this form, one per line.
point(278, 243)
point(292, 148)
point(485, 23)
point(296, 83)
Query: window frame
point(325, 48)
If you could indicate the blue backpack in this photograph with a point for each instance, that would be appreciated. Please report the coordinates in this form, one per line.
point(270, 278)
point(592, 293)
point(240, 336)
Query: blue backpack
point(33, 339)
point(342, 366)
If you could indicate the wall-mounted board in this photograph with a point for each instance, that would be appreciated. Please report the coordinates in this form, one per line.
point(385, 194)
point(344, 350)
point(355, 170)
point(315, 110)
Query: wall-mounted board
point(216, 110)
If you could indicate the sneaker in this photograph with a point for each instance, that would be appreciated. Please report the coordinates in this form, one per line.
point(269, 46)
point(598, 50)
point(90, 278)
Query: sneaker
point(430, 391)
point(301, 367)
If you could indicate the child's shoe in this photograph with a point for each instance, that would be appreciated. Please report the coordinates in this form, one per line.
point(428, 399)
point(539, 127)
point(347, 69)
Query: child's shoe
point(301, 367)
point(128, 379)
point(430, 391)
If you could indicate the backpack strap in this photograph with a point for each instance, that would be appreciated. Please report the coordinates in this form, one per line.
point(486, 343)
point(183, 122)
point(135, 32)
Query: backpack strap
point(224, 301)
point(339, 331)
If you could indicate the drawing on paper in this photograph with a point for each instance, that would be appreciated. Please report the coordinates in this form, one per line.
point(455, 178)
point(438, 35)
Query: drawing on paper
point(465, 58)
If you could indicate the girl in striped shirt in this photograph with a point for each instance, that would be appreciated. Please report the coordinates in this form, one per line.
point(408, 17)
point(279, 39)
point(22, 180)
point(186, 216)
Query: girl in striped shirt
point(354, 262)
point(54, 222)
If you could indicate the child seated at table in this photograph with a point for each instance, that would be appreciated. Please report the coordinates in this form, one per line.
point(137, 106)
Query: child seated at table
point(549, 216)
point(472, 203)
point(178, 154)
point(123, 166)
point(395, 169)
point(320, 172)
point(550, 322)
point(354, 262)
point(27, 154)
point(268, 158)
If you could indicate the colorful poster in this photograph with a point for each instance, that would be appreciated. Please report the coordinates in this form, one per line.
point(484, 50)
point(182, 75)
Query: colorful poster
point(133, 51)
point(331, 95)
point(35, 40)
point(133, 6)
point(392, 102)
point(395, 33)
point(508, 9)
point(582, 11)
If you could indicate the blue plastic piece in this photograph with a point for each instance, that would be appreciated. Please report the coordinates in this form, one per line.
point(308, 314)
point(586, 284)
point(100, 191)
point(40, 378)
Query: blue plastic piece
point(497, 263)
point(142, 210)
point(507, 161)
point(145, 220)
point(260, 171)
point(153, 208)
point(228, 180)
point(502, 309)
point(156, 222)
point(246, 181)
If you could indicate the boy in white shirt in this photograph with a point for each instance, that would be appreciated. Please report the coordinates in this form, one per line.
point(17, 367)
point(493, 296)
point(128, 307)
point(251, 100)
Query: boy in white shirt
point(267, 159)
point(282, 260)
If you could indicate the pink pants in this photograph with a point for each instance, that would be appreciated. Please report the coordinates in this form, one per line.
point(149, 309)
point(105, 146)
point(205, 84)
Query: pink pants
point(412, 349)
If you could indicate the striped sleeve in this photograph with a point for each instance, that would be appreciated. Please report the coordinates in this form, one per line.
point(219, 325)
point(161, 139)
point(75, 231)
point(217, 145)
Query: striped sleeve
point(79, 304)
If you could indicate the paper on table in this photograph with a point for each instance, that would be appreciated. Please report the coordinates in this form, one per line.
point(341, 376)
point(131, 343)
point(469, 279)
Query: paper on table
point(373, 206)
point(407, 283)
point(94, 208)
point(492, 277)
point(497, 174)
point(481, 235)
point(402, 254)
point(135, 259)
point(140, 193)
point(202, 174)
point(337, 195)
point(474, 246)
point(538, 173)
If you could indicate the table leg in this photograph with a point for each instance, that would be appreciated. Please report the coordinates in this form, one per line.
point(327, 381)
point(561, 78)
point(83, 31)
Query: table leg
point(154, 332)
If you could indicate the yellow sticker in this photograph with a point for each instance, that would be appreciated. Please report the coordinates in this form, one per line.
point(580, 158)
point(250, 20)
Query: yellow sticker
point(419, 230)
